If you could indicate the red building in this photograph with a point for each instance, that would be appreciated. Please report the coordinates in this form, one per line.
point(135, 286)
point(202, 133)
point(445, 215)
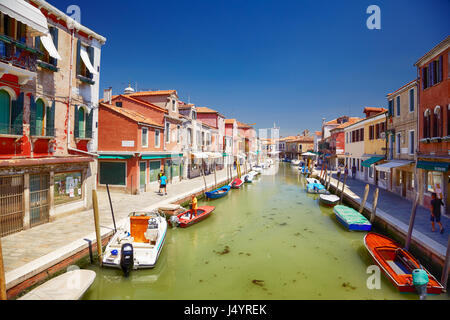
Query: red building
point(434, 124)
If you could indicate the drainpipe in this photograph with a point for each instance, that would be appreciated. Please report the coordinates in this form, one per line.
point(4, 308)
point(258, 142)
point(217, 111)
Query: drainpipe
point(70, 102)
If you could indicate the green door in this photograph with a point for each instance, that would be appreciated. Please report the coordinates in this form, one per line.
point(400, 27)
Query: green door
point(155, 168)
point(142, 174)
point(5, 105)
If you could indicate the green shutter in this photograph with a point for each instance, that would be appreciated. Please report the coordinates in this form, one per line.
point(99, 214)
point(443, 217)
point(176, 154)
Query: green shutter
point(50, 122)
point(90, 51)
point(33, 110)
point(79, 62)
point(89, 119)
point(17, 115)
point(54, 33)
point(76, 130)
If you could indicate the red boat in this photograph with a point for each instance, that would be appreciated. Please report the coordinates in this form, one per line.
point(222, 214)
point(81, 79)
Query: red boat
point(236, 184)
point(185, 221)
point(397, 263)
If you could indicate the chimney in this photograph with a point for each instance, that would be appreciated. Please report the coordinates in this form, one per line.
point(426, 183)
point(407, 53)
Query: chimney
point(107, 95)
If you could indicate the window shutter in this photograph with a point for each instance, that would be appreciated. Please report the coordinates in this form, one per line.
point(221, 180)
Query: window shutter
point(37, 43)
point(17, 115)
point(89, 119)
point(78, 57)
point(32, 116)
point(50, 122)
point(76, 130)
point(423, 79)
point(431, 74)
point(440, 68)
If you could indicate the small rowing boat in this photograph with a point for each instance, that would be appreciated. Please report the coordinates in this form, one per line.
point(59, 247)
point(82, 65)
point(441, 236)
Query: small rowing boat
point(316, 188)
point(402, 269)
point(248, 178)
point(236, 183)
point(218, 193)
point(329, 200)
point(138, 243)
point(312, 181)
point(352, 219)
point(184, 220)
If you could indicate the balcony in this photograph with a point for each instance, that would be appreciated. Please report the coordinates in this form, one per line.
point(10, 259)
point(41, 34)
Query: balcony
point(18, 59)
point(13, 130)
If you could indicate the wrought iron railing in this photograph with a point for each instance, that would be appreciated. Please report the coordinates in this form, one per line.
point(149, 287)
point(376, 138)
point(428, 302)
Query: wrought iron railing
point(11, 129)
point(18, 54)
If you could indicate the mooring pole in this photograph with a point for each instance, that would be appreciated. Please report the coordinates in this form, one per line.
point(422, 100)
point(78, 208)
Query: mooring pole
point(3, 295)
point(343, 188)
point(411, 222)
point(366, 195)
point(112, 210)
point(374, 206)
point(97, 226)
point(215, 175)
point(445, 270)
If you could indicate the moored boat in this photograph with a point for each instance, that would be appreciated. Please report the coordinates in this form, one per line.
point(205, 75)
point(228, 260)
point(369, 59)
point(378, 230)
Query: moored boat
point(400, 266)
point(184, 220)
point(138, 243)
point(248, 178)
point(295, 163)
point(352, 219)
point(218, 193)
point(316, 188)
point(329, 200)
point(236, 183)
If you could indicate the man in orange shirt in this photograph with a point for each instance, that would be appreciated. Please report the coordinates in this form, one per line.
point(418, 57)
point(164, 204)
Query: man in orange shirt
point(193, 206)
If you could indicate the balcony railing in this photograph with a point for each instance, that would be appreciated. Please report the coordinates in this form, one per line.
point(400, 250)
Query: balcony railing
point(11, 129)
point(18, 54)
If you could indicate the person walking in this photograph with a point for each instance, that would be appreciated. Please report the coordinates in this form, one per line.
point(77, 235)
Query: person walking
point(354, 171)
point(346, 171)
point(163, 183)
point(435, 207)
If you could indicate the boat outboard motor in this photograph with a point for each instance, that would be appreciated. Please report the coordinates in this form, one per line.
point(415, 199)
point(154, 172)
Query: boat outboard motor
point(420, 281)
point(174, 221)
point(127, 258)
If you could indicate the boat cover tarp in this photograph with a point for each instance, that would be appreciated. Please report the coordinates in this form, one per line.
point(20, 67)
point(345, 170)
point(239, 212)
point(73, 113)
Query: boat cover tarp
point(351, 216)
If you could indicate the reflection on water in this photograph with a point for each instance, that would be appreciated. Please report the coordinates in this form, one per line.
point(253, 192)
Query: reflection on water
point(269, 240)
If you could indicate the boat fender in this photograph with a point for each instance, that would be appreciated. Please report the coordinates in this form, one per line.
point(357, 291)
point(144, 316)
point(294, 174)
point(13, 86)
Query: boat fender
point(127, 258)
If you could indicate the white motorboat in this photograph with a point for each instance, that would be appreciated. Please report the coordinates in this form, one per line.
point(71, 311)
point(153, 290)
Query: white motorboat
point(295, 163)
point(312, 181)
point(258, 169)
point(248, 178)
point(138, 243)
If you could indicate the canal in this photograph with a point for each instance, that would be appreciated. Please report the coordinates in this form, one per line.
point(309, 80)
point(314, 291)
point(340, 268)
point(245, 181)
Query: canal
point(268, 241)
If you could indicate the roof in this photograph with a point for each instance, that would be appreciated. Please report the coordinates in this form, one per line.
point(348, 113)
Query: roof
point(403, 87)
point(154, 93)
point(435, 51)
point(205, 110)
point(243, 125)
point(318, 133)
point(374, 109)
point(347, 124)
point(230, 121)
point(132, 115)
point(302, 139)
point(141, 102)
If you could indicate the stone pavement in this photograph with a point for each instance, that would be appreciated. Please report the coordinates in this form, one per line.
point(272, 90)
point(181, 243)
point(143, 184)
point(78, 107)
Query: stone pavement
point(400, 209)
point(26, 253)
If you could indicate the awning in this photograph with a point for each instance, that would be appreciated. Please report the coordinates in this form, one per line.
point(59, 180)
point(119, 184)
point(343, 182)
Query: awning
point(434, 166)
point(386, 167)
point(309, 154)
point(199, 155)
point(214, 155)
point(27, 14)
point(161, 156)
point(369, 162)
point(117, 157)
point(87, 62)
point(47, 41)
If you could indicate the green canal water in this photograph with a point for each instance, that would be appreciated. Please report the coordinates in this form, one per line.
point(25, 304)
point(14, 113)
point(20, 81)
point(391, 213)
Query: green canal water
point(268, 241)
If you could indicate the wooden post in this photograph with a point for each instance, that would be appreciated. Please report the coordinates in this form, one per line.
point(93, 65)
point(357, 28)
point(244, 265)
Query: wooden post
point(321, 170)
point(374, 206)
point(203, 174)
point(215, 175)
point(97, 226)
point(343, 188)
point(338, 182)
point(445, 270)
point(366, 195)
point(3, 295)
point(411, 222)
point(329, 181)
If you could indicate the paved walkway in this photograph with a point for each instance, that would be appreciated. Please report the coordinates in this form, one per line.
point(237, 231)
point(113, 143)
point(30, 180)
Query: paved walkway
point(28, 252)
point(400, 208)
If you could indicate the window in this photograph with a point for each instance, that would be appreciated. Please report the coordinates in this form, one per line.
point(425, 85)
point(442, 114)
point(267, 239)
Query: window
point(437, 122)
point(411, 100)
point(361, 135)
point(113, 173)
point(144, 137)
point(189, 136)
point(427, 124)
point(167, 132)
point(174, 106)
point(391, 108)
point(39, 45)
point(398, 106)
point(398, 143)
point(178, 134)
point(155, 168)
point(119, 104)
point(157, 138)
point(412, 147)
point(40, 117)
point(85, 59)
point(68, 187)
point(377, 131)
point(5, 112)
point(433, 181)
point(425, 73)
point(371, 135)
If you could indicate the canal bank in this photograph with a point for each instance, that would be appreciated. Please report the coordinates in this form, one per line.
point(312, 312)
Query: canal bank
point(33, 255)
point(270, 240)
point(393, 217)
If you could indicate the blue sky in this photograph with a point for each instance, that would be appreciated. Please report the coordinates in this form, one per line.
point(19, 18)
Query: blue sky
point(289, 62)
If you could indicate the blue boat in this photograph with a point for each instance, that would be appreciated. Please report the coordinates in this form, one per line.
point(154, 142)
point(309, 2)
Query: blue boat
point(316, 188)
point(218, 193)
point(352, 219)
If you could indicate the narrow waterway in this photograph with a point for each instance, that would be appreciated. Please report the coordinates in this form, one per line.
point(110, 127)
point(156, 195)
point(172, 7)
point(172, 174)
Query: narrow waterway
point(269, 240)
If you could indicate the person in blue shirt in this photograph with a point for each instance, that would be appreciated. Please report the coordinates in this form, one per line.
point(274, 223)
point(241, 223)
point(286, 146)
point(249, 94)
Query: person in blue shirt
point(163, 183)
